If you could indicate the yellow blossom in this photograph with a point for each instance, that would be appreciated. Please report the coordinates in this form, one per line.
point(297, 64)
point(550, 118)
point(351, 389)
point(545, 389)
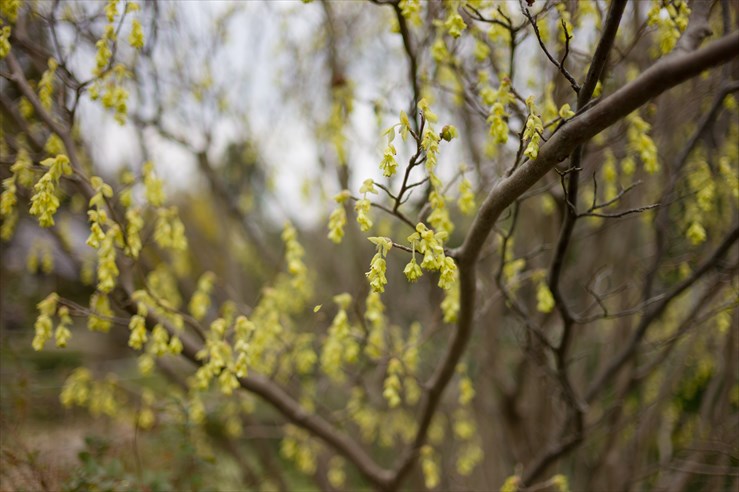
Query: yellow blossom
point(544, 298)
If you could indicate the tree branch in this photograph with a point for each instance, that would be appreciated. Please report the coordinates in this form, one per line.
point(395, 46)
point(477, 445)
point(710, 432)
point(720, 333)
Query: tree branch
point(664, 75)
point(560, 65)
point(653, 313)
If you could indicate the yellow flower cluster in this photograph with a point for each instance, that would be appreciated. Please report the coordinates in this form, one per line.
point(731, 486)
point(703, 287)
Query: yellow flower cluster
point(134, 225)
point(169, 232)
point(363, 414)
point(46, 84)
point(482, 52)
point(110, 82)
point(104, 51)
point(450, 303)
point(200, 300)
point(466, 201)
point(153, 186)
point(425, 108)
point(103, 399)
point(498, 125)
point(670, 19)
point(104, 241)
point(431, 245)
point(162, 300)
point(10, 8)
point(439, 51)
point(342, 105)
point(136, 38)
point(560, 483)
point(639, 141)
point(375, 316)
point(464, 426)
point(439, 216)
point(412, 271)
point(219, 361)
point(5, 32)
point(44, 202)
point(98, 396)
point(44, 323)
point(389, 165)
point(430, 143)
point(410, 9)
point(304, 354)
point(298, 447)
point(40, 250)
point(565, 112)
point(54, 145)
point(533, 130)
point(410, 358)
point(392, 386)
point(362, 207)
point(294, 253)
point(466, 389)
point(137, 325)
point(698, 213)
point(21, 174)
point(455, 25)
point(101, 315)
point(145, 417)
point(400, 382)
point(544, 298)
point(337, 219)
point(340, 345)
point(271, 316)
point(336, 474)
point(378, 266)
point(115, 96)
point(76, 389)
point(430, 467)
point(470, 454)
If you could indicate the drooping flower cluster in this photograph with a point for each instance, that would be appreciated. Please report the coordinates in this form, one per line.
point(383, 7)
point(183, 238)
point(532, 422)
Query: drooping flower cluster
point(640, 142)
point(46, 84)
point(410, 9)
point(337, 219)
point(374, 314)
point(21, 175)
point(100, 397)
point(44, 323)
point(378, 266)
point(340, 345)
point(533, 130)
point(105, 241)
point(362, 207)
point(200, 300)
point(392, 386)
point(44, 202)
point(497, 101)
point(670, 19)
point(466, 201)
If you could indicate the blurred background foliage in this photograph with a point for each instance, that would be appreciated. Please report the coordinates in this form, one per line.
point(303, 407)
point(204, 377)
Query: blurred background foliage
point(256, 115)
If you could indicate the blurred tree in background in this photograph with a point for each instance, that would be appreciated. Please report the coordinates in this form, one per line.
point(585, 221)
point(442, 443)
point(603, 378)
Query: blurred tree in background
point(528, 280)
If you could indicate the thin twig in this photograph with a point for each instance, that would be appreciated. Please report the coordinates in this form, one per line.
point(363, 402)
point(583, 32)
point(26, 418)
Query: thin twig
point(560, 66)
